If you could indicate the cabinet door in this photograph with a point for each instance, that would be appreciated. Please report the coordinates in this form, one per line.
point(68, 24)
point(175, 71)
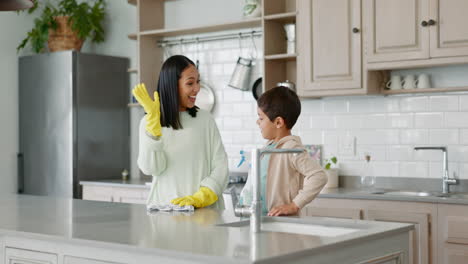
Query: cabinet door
point(22, 256)
point(453, 233)
point(78, 260)
point(330, 53)
point(449, 34)
point(394, 31)
point(419, 238)
point(97, 193)
point(338, 208)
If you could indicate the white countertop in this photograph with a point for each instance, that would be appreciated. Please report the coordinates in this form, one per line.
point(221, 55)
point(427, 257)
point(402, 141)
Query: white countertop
point(177, 234)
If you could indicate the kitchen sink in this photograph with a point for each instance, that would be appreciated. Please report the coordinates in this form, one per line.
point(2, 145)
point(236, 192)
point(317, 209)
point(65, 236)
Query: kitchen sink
point(285, 225)
point(410, 193)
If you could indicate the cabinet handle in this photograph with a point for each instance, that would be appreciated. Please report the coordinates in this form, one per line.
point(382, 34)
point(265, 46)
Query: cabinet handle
point(424, 23)
point(431, 22)
point(355, 30)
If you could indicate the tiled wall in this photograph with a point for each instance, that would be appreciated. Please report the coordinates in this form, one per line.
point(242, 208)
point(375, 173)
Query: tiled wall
point(387, 127)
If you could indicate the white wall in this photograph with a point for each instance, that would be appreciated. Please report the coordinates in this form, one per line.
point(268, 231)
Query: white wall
point(12, 31)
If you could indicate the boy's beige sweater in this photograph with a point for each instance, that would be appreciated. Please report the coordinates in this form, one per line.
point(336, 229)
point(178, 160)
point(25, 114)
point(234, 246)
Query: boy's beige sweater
point(293, 177)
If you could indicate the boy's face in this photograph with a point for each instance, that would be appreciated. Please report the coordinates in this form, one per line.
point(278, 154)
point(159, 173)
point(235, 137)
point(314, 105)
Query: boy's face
point(267, 127)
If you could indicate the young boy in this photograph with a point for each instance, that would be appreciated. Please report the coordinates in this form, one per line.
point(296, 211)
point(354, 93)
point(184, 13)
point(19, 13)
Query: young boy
point(288, 181)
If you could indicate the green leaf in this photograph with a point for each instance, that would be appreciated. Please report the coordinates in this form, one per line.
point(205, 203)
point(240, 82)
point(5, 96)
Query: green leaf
point(334, 160)
point(86, 20)
point(327, 166)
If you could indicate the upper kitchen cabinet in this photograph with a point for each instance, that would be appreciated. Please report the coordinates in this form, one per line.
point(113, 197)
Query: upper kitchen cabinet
point(330, 48)
point(448, 30)
point(412, 33)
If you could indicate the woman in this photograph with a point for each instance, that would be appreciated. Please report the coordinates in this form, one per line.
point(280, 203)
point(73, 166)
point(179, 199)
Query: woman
point(180, 144)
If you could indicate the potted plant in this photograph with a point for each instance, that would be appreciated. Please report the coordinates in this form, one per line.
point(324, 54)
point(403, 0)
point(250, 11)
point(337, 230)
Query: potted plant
point(65, 25)
point(331, 169)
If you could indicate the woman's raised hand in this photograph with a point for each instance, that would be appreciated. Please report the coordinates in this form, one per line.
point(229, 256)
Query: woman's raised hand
point(152, 109)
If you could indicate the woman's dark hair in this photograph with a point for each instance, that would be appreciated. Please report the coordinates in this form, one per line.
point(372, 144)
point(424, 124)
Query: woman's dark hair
point(168, 89)
point(283, 102)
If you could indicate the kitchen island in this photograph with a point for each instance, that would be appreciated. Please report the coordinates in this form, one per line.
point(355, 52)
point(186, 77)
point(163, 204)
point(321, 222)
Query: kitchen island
point(35, 229)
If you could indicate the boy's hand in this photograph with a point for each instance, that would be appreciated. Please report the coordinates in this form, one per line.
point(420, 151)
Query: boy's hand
point(287, 209)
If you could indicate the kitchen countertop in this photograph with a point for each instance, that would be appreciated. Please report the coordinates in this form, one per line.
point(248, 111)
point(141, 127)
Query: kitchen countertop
point(349, 193)
point(344, 193)
point(193, 235)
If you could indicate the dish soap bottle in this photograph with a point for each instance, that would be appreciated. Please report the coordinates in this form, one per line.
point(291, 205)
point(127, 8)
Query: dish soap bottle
point(367, 177)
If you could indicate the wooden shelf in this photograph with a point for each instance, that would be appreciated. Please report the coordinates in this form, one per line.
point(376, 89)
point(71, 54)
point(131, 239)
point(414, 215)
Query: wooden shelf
point(132, 2)
point(247, 23)
point(132, 36)
point(289, 17)
point(281, 56)
point(426, 90)
point(132, 70)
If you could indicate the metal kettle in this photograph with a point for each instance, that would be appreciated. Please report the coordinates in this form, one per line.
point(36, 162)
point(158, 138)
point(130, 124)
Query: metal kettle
point(240, 78)
point(287, 84)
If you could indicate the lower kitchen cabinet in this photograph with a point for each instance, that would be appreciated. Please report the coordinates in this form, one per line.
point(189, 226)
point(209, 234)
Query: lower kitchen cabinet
point(23, 256)
point(115, 194)
point(453, 234)
point(77, 260)
point(423, 215)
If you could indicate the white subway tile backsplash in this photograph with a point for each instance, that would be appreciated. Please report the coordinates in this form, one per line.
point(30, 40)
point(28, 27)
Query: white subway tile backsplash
point(242, 137)
point(400, 120)
point(377, 137)
point(330, 137)
point(414, 136)
point(360, 106)
point(464, 103)
point(309, 106)
point(414, 104)
point(348, 121)
point(428, 120)
point(311, 137)
point(351, 168)
point(463, 171)
point(458, 153)
point(388, 127)
point(335, 106)
point(375, 121)
point(385, 105)
point(456, 119)
point(232, 95)
point(427, 155)
point(322, 122)
point(436, 171)
point(443, 136)
point(385, 169)
point(464, 136)
point(232, 123)
point(399, 153)
point(444, 103)
point(414, 169)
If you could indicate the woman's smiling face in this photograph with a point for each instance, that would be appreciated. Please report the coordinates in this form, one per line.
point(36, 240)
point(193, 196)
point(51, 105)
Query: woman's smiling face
point(189, 86)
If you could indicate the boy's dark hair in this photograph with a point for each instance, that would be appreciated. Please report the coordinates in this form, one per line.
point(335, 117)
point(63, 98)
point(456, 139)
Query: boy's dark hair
point(168, 89)
point(281, 102)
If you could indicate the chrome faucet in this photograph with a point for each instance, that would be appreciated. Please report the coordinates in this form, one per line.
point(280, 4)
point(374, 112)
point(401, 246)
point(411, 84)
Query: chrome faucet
point(446, 181)
point(255, 209)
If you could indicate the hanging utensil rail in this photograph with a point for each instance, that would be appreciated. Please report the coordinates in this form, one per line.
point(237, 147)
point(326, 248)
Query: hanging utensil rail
point(178, 41)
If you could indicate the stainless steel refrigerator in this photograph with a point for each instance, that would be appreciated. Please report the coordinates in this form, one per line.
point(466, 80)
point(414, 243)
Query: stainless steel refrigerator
point(73, 121)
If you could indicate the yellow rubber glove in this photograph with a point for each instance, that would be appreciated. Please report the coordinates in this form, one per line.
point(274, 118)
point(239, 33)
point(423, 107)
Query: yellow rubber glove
point(202, 198)
point(153, 112)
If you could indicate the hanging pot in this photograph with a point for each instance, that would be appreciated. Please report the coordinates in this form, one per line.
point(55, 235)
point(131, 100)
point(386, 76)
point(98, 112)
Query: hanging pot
point(240, 78)
point(287, 84)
